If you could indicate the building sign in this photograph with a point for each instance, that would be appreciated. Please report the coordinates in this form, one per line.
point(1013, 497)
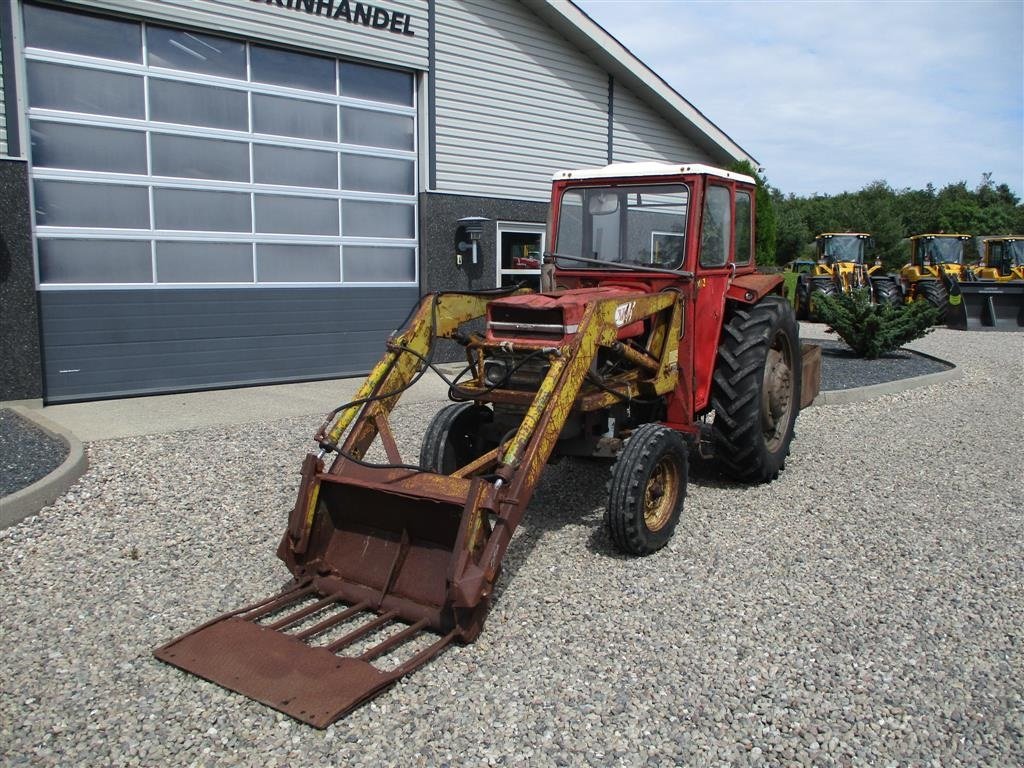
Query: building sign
point(368, 15)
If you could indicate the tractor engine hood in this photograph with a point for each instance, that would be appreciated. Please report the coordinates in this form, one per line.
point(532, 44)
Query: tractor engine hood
point(554, 317)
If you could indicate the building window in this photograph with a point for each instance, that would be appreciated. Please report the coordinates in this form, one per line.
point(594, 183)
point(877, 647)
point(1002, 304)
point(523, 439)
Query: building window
point(520, 250)
point(165, 157)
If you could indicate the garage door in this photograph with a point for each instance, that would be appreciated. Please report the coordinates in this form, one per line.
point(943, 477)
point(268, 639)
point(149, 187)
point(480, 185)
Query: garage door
point(211, 211)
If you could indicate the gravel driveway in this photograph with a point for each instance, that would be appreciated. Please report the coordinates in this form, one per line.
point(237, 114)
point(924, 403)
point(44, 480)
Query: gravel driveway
point(867, 608)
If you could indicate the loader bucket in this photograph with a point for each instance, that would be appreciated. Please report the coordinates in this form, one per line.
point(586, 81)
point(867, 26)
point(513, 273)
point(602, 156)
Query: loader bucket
point(986, 306)
point(375, 595)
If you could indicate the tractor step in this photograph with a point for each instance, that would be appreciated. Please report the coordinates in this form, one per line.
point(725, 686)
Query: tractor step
point(306, 653)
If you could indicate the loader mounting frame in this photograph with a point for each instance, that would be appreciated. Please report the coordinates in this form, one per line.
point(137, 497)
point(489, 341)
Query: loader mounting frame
point(412, 554)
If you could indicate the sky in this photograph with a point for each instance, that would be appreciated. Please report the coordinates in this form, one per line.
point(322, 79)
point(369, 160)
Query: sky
point(831, 96)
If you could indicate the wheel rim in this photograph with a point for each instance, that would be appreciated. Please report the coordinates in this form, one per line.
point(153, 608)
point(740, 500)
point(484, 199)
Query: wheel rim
point(777, 392)
point(661, 494)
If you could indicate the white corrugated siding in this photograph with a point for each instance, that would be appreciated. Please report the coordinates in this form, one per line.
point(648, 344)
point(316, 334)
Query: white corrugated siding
point(640, 133)
point(515, 102)
point(262, 21)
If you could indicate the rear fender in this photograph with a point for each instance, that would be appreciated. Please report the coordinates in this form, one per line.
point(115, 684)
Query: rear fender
point(750, 289)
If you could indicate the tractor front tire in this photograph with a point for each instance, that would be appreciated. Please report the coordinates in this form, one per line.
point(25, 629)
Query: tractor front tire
point(646, 490)
point(756, 391)
point(935, 292)
point(453, 437)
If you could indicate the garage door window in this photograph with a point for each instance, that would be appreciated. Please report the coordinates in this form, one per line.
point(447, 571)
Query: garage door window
point(163, 157)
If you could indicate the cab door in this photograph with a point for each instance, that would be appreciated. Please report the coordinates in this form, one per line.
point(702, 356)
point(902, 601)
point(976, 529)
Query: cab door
point(716, 267)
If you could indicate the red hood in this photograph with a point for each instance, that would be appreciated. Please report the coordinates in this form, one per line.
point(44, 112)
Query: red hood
point(571, 302)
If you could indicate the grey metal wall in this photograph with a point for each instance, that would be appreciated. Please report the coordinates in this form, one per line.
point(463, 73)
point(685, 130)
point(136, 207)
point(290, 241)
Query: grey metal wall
point(3, 106)
point(113, 343)
point(20, 374)
point(515, 101)
point(639, 133)
point(292, 25)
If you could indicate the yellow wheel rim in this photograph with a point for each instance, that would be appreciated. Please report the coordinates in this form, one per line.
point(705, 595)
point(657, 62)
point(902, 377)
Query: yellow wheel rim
point(661, 494)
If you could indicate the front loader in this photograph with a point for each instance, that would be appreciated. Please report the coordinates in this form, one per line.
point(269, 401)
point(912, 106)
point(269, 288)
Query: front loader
point(654, 340)
point(840, 267)
point(991, 296)
point(936, 265)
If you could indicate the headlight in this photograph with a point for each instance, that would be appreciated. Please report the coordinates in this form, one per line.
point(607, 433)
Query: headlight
point(495, 372)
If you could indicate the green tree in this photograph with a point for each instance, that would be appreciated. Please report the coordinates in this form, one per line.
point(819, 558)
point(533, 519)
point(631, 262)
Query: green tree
point(793, 235)
point(892, 215)
point(873, 330)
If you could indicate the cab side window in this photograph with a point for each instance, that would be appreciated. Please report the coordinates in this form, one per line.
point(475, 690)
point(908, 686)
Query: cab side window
point(716, 229)
point(744, 229)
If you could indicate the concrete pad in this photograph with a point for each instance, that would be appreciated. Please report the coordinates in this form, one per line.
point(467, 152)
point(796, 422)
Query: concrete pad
point(161, 414)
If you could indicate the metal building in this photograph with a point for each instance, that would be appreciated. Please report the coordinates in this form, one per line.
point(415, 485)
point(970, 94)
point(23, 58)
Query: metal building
point(211, 193)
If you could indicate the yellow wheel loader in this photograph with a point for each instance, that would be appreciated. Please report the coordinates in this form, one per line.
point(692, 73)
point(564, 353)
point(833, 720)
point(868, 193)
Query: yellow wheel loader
point(655, 338)
point(991, 296)
point(840, 267)
point(936, 263)
point(1002, 259)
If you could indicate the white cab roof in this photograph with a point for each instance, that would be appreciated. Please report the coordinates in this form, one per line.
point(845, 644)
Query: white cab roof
point(618, 170)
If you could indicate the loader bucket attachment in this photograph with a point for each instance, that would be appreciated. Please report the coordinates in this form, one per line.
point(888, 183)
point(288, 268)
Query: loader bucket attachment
point(986, 306)
point(370, 605)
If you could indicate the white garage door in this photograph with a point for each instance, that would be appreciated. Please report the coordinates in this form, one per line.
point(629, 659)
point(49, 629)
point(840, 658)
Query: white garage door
point(167, 160)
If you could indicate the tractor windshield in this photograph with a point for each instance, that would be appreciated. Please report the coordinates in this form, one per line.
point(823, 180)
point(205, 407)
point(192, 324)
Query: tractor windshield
point(844, 248)
point(636, 225)
point(945, 250)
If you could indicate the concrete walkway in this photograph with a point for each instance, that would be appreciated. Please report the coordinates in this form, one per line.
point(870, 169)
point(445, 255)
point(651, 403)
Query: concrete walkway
point(160, 414)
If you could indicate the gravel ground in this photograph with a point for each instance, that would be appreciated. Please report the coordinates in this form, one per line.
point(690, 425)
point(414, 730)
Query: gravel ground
point(865, 609)
point(30, 454)
point(27, 453)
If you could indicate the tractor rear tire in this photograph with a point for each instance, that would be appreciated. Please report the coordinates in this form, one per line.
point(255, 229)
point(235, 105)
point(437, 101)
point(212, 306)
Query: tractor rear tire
point(756, 391)
point(887, 292)
point(453, 437)
point(646, 490)
point(936, 293)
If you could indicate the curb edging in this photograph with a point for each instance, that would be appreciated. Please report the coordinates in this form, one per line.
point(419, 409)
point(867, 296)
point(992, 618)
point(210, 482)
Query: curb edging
point(31, 499)
point(871, 391)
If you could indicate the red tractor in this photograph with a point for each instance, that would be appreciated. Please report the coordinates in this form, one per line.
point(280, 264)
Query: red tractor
point(654, 339)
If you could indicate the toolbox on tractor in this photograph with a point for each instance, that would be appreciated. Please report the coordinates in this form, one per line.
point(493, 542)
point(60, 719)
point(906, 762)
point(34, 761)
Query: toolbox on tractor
point(654, 339)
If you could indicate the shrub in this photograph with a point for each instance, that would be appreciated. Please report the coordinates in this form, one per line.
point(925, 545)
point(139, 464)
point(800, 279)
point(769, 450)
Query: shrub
point(872, 330)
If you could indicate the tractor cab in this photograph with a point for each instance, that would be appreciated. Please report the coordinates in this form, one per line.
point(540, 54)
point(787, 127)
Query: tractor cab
point(842, 248)
point(938, 251)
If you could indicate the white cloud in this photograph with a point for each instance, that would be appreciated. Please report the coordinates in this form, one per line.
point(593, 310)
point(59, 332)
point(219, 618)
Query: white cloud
point(831, 96)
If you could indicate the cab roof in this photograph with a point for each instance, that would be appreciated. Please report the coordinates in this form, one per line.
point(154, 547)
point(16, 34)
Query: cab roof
point(622, 170)
point(842, 234)
point(941, 234)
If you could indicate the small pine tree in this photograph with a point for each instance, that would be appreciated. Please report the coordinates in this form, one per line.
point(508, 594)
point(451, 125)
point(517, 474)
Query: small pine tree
point(872, 330)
